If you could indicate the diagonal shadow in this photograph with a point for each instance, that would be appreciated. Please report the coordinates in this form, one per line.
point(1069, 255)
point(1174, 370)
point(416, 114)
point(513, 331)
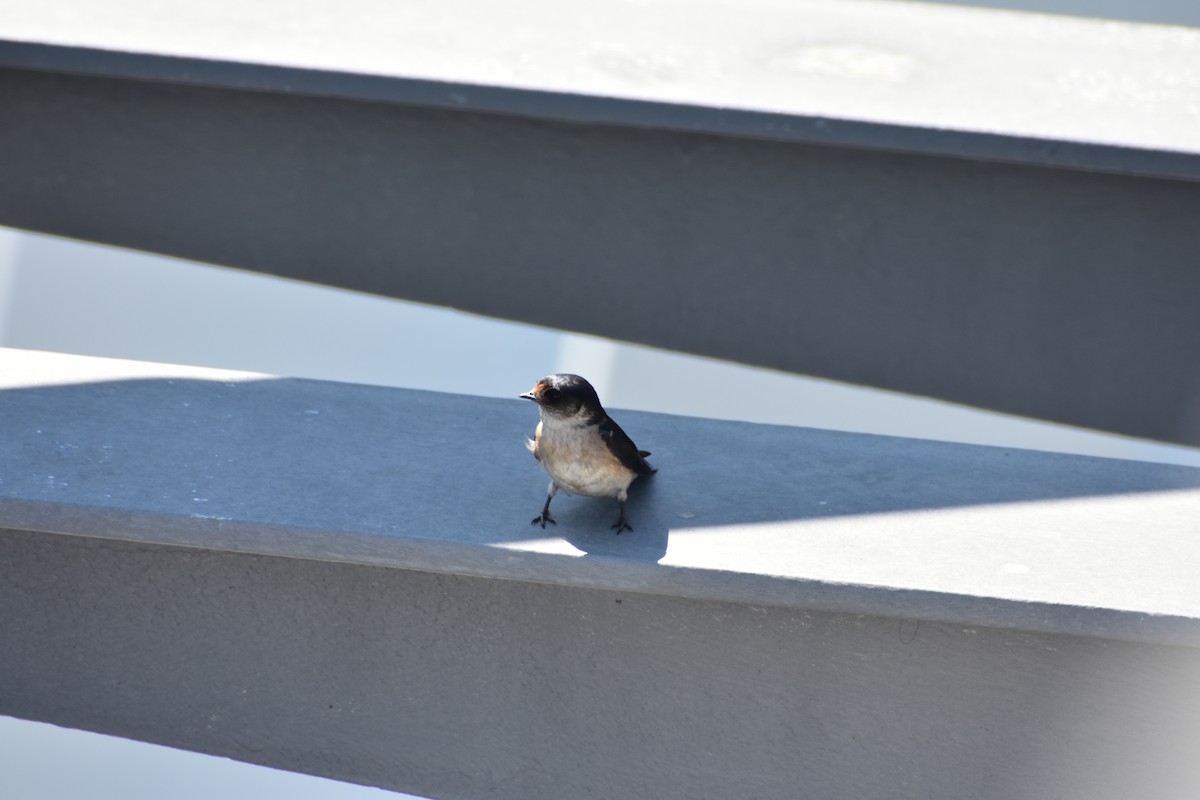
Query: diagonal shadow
point(431, 466)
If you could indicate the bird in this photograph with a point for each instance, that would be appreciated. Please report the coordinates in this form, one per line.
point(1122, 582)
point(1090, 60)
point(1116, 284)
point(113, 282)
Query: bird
point(579, 444)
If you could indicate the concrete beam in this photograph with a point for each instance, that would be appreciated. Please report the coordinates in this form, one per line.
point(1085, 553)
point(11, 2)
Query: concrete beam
point(994, 209)
point(342, 580)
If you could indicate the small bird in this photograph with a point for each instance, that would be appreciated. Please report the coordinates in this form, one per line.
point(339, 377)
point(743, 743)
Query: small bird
point(584, 451)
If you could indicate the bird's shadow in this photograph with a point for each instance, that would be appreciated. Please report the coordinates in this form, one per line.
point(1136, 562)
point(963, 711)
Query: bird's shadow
point(584, 523)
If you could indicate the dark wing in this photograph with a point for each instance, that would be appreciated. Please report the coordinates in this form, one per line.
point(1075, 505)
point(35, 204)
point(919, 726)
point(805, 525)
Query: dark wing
point(623, 447)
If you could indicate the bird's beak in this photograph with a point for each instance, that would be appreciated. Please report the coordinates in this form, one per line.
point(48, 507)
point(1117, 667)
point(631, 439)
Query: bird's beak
point(528, 396)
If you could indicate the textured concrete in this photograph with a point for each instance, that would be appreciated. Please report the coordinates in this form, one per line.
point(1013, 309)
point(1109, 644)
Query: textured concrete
point(913, 75)
point(342, 580)
point(760, 513)
point(993, 209)
point(457, 687)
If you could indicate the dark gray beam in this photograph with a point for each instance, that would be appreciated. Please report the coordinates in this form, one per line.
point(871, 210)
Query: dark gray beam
point(1173, 158)
point(1011, 240)
point(456, 687)
point(342, 580)
point(1051, 90)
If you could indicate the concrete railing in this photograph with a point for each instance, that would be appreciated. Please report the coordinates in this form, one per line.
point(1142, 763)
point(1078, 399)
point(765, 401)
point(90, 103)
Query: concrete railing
point(342, 580)
point(994, 209)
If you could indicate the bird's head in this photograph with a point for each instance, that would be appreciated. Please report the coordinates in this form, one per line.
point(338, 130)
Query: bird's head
point(564, 395)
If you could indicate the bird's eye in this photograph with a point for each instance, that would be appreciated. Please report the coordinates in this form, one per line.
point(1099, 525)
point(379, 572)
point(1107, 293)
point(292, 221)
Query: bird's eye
point(551, 394)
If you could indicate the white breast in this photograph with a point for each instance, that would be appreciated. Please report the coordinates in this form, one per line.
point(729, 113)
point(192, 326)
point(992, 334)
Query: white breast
point(578, 459)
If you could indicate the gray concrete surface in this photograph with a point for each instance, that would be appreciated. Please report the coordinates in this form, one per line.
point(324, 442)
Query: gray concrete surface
point(810, 68)
point(753, 513)
point(991, 209)
point(457, 687)
point(342, 580)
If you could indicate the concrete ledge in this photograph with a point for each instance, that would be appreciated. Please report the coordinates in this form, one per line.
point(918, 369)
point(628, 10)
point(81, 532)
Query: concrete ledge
point(342, 580)
point(456, 687)
point(980, 84)
point(749, 513)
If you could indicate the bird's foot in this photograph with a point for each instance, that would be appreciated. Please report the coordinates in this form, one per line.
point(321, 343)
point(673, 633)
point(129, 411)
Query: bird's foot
point(543, 518)
point(621, 525)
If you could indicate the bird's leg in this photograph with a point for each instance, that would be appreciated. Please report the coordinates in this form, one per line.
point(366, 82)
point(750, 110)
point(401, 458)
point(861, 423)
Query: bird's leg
point(545, 517)
point(621, 524)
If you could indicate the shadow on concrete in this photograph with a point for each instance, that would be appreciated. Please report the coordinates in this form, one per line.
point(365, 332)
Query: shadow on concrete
point(590, 532)
point(431, 466)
